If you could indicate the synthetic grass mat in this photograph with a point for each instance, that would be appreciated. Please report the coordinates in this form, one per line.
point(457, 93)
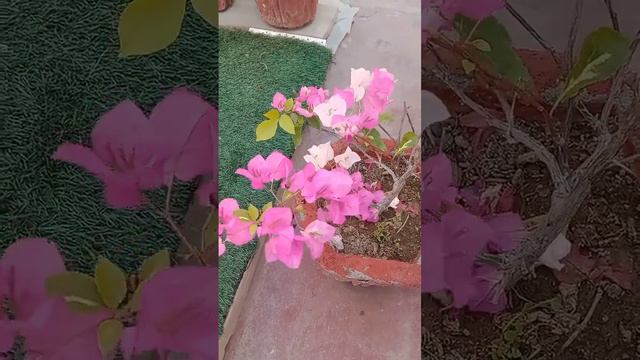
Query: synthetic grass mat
point(60, 71)
point(252, 68)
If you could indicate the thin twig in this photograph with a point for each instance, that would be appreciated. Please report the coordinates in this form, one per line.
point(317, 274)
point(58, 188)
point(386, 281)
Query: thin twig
point(585, 321)
point(406, 111)
point(573, 32)
point(385, 131)
point(178, 232)
point(532, 31)
point(613, 15)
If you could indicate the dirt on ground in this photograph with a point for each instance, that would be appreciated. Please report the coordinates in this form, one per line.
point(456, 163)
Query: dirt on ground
point(592, 319)
point(397, 235)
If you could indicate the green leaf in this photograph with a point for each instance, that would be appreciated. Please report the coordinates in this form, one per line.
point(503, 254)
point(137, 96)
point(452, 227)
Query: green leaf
point(603, 52)
point(272, 114)
point(288, 106)
point(111, 282)
point(314, 121)
point(385, 117)
point(242, 214)
point(468, 66)
point(297, 137)
point(501, 55)
point(481, 45)
point(208, 9)
point(78, 289)
point(376, 139)
point(154, 263)
point(109, 334)
point(254, 213)
point(147, 26)
point(287, 124)
point(267, 206)
point(266, 129)
point(409, 140)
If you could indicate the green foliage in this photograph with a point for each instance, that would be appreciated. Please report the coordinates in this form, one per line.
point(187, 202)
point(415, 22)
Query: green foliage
point(111, 282)
point(494, 43)
point(603, 52)
point(109, 334)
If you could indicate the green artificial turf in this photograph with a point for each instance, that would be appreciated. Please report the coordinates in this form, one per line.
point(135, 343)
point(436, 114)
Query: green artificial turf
point(252, 68)
point(60, 71)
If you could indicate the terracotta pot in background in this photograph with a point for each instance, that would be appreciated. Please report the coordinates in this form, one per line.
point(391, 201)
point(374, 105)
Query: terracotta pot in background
point(224, 4)
point(287, 14)
point(358, 269)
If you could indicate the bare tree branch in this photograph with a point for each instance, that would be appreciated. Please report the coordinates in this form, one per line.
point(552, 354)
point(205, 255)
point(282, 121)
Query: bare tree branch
point(613, 15)
point(525, 24)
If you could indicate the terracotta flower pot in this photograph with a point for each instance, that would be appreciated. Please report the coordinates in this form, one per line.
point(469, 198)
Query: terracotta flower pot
point(287, 14)
point(363, 270)
point(224, 4)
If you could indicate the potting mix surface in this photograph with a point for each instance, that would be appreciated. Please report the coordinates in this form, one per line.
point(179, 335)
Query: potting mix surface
point(547, 309)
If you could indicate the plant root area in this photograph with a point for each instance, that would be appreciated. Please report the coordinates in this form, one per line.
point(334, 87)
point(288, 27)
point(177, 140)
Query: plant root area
point(572, 314)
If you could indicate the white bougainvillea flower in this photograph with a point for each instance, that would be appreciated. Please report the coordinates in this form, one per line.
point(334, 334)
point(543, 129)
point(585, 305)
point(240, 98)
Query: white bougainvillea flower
point(394, 203)
point(336, 105)
point(347, 159)
point(319, 155)
point(557, 250)
point(360, 80)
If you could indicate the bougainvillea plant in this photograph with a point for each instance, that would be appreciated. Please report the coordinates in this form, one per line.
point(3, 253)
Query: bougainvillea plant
point(328, 180)
point(64, 314)
point(475, 253)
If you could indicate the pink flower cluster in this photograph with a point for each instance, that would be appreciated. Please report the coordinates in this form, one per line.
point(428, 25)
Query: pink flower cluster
point(53, 331)
point(453, 237)
point(437, 15)
point(345, 194)
point(347, 111)
point(131, 153)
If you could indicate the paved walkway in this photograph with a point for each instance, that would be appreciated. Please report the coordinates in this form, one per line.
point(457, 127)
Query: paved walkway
point(303, 314)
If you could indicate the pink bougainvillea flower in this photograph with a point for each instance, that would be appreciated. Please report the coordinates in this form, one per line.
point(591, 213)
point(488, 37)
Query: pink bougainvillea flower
point(260, 170)
point(360, 80)
point(315, 96)
point(347, 158)
point(509, 231)
point(284, 248)
point(279, 101)
point(51, 330)
point(336, 105)
point(131, 154)
point(275, 221)
point(366, 200)
point(298, 108)
point(437, 181)
point(337, 210)
point(327, 184)
point(185, 323)
point(319, 155)
point(299, 179)
point(346, 94)
point(237, 231)
point(377, 96)
point(348, 126)
point(315, 235)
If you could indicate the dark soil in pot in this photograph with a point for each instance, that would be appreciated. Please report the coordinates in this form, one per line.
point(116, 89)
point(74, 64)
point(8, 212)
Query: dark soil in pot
point(545, 312)
point(397, 235)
